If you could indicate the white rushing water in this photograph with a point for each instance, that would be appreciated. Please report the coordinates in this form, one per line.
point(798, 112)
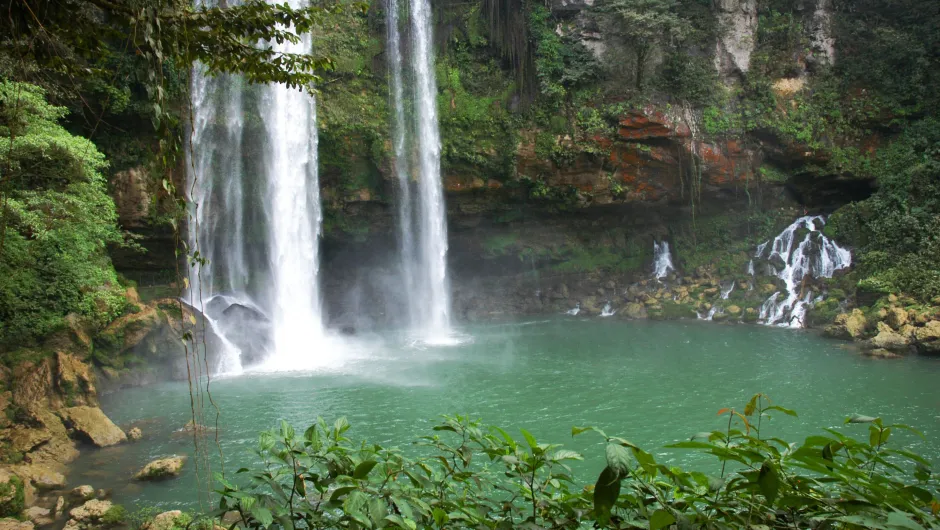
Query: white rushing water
point(608, 310)
point(816, 256)
point(216, 205)
point(423, 224)
point(662, 260)
point(277, 278)
point(290, 119)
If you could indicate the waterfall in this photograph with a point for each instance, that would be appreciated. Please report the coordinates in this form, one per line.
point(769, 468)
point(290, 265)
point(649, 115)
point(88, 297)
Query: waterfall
point(216, 202)
point(608, 310)
point(726, 293)
point(816, 256)
point(422, 212)
point(290, 119)
point(257, 230)
point(662, 260)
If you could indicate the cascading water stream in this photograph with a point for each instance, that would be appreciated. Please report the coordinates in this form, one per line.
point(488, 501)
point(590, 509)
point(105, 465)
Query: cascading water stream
point(267, 295)
point(816, 256)
point(424, 258)
point(662, 260)
point(406, 227)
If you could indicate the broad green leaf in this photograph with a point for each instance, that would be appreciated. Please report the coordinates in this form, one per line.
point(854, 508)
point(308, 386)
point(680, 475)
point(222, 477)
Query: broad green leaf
point(769, 481)
point(262, 514)
point(341, 425)
point(440, 517)
point(618, 459)
point(661, 519)
point(565, 454)
point(362, 470)
point(338, 493)
point(606, 492)
point(529, 439)
point(786, 411)
point(902, 520)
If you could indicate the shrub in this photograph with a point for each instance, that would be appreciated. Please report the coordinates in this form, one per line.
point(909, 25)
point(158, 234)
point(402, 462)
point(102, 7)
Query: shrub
point(471, 476)
point(57, 222)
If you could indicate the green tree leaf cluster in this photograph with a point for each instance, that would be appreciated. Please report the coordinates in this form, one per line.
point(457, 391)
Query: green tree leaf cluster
point(58, 221)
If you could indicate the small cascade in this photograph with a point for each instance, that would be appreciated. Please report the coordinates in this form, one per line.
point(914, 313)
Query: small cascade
point(574, 311)
point(752, 273)
point(662, 260)
point(725, 293)
point(715, 310)
point(608, 310)
point(816, 256)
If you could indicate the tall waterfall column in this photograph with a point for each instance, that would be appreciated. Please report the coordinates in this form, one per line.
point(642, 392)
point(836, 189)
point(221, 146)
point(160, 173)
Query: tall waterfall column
point(295, 217)
point(423, 213)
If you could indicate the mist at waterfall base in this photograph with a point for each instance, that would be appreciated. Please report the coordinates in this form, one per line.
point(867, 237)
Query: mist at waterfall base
point(653, 383)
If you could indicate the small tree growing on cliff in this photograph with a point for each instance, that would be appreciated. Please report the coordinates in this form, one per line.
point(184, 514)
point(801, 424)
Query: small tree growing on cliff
point(644, 25)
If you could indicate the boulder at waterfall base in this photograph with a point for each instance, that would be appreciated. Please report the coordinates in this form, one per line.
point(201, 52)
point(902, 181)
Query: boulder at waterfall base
point(92, 424)
point(163, 468)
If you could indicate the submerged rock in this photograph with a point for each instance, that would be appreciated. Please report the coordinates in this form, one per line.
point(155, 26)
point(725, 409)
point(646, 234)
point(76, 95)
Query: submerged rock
point(135, 434)
point(39, 515)
point(92, 424)
point(162, 469)
point(82, 493)
point(880, 353)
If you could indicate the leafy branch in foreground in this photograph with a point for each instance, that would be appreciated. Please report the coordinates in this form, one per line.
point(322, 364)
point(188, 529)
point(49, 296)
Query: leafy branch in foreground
point(469, 476)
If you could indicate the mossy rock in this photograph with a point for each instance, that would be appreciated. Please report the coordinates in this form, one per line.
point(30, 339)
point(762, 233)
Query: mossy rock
point(12, 495)
point(750, 315)
point(116, 515)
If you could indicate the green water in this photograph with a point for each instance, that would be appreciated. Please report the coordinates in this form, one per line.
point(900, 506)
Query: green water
point(653, 383)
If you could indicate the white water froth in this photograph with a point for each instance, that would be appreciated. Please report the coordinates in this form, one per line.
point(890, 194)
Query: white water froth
point(608, 310)
point(574, 311)
point(815, 257)
point(662, 260)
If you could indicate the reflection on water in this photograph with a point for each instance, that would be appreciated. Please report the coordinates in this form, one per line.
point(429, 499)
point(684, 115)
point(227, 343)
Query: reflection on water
point(651, 382)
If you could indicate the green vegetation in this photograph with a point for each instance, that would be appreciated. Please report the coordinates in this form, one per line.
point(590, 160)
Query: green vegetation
point(115, 515)
point(58, 221)
point(12, 497)
point(467, 475)
point(897, 230)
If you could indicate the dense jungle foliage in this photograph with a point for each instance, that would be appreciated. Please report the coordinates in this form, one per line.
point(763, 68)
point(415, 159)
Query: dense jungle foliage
point(511, 73)
point(466, 475)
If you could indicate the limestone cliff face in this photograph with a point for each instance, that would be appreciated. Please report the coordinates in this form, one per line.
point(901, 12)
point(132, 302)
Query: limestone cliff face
point(737, 20)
